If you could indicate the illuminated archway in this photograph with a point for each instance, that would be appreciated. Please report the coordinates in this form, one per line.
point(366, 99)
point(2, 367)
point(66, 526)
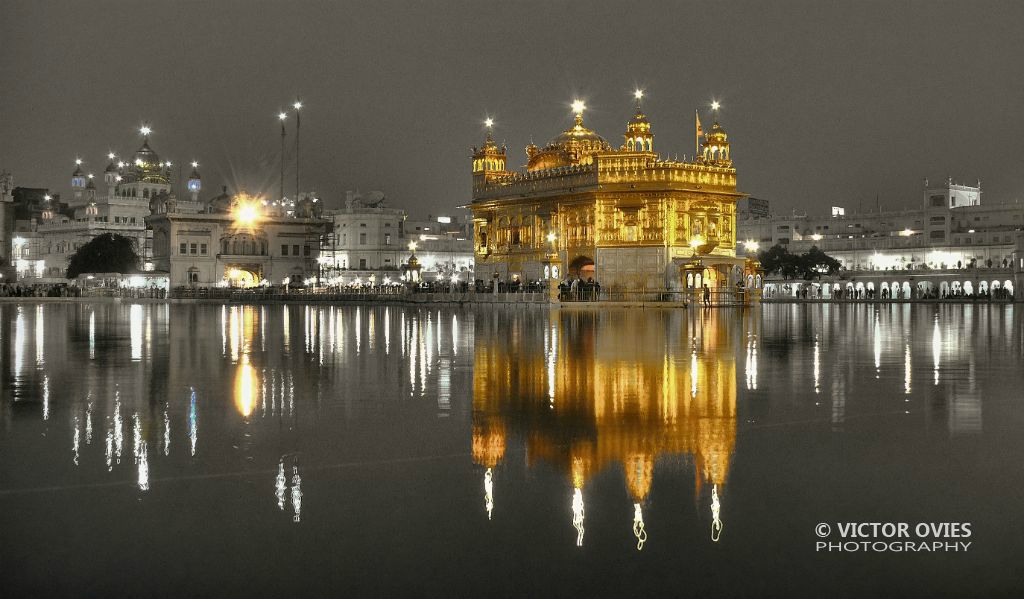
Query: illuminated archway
point(241, 278)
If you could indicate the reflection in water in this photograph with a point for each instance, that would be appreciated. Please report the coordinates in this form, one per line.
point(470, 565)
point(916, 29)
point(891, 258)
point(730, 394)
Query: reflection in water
point(193, 424)
point(489, 492)
point(141, 454)
point(622, 398)
point(296, 493)
point(280, 485)
point(577, 514)
point(638, 527)
point(716, 510)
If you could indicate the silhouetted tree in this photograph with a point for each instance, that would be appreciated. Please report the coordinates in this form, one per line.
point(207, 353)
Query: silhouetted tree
point(815, 263)
point(108, 252)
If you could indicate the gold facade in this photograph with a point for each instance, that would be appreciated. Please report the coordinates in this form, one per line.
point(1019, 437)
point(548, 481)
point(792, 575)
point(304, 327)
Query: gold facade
point(637, 218)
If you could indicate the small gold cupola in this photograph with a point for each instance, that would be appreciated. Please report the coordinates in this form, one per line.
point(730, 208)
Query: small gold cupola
point(488, 159)
point(638, 136)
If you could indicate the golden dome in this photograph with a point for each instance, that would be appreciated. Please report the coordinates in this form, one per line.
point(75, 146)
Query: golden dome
point(717, 133)
point(570, 147)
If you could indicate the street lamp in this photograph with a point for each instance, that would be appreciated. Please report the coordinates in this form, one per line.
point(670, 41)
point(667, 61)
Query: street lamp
point(298, 125)
point(281, 116)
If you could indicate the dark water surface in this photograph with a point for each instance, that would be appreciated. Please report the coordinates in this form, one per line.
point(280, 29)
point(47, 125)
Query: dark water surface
point(370, 451)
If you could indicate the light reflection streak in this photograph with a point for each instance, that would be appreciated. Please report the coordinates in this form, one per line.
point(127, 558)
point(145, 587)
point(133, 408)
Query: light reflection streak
point(88, 420)
point(40, 336)
point(906, 369)
point(75, 440)
point(46, 397)
point(638, 527)
point(488, 492)
point(751, 364)
point(92, 335)
point(167, 432)
point(193, 424)
point(387, 332)
point(455, 334)
point(936, 347)
point(578, 514)
point(296, 493)
point(19, 343)
point(280, 485)
point(817, 365)
point(135, 330)
point(878, 347)
point(716, 510)
point(141, 455)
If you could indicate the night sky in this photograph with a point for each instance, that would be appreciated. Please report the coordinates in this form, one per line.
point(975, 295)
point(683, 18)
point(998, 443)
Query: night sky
point(824, 105)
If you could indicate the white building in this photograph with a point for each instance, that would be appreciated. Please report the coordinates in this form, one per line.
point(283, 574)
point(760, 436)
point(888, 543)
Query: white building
point(952, 229)
point(133, 189)
point(953, 242)
point(237, 241)
point(370, 238)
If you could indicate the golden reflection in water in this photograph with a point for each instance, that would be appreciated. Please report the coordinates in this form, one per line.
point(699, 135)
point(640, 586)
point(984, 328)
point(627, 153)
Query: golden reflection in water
point(245, 386)
point(623, 396)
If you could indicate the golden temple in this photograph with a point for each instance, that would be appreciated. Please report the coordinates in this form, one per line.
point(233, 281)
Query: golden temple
point(626, 216)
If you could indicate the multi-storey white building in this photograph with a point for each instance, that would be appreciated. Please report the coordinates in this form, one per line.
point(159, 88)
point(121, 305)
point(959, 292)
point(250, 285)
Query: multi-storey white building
point(237, 241)
point(370, 238)
point(952, 229)
point(952, 232)
point(134, 189)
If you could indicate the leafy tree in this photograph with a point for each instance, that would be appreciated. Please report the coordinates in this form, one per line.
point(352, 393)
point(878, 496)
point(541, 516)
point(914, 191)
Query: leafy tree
point(815, 263)
point(108, 252)
point(811, 265)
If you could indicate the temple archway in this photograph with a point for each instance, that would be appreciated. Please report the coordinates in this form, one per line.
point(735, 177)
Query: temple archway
point(582, 267)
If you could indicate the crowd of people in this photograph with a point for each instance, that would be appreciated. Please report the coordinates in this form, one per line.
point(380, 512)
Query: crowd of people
point(886, 293)
point(39, 290)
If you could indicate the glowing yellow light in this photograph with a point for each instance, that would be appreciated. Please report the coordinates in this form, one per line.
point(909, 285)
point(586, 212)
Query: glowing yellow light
point(751, 245)
point(78, 161)
point(247, 213)
point(638, 94)
point(90, 175)
point(121, 164)
point(696, 242)
point(145, 130)
point(412, 246)
point(816, 237)
point(47, 197)
point(168, 163)
point(552, 237)
point(117, 178)
point(195, 164)
point(715, 105)
point(110, 155)
point(282, 116)
point(297, 105)
point(488, 122)
point(245, 388)
point(906, 233)
point(578, 106)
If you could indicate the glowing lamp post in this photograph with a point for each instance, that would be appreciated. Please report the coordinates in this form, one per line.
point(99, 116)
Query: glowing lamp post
point(551, 267)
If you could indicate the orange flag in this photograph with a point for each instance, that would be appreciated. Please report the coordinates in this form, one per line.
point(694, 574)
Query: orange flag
point(699, 130)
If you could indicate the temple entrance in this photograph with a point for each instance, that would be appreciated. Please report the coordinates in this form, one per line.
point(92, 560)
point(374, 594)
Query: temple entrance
point(582, 267)
point(238, 277)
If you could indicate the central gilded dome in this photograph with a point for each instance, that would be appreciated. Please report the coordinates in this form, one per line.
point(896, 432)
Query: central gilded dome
point(569, 148)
